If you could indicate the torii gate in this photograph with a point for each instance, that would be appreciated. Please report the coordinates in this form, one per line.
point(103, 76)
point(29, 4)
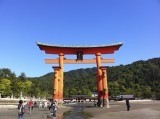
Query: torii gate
point(102, 87)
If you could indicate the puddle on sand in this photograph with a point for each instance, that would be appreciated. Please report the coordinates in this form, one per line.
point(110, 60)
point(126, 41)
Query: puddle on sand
point(75, 114)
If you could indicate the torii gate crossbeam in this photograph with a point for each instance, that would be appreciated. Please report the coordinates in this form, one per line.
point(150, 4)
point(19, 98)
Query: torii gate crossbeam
point(73, 61)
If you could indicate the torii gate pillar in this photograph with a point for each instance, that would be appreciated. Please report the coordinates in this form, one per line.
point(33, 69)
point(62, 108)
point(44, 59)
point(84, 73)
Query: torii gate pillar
point(58, 81)
point(104, 87)
point(61, 58)
point(56, 93)
point(99, 80)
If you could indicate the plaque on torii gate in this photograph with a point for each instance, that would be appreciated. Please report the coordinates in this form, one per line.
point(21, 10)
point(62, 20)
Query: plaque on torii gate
point(79, 51)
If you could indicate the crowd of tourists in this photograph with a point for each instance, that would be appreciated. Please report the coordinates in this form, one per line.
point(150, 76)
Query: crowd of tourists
point(27, 107)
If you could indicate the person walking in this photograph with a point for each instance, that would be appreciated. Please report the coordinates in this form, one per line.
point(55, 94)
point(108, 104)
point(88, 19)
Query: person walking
point(45, 104)
point(128, 105)
point(40, 104)
point(30, 106)
point(21, 110)
point(53, 108)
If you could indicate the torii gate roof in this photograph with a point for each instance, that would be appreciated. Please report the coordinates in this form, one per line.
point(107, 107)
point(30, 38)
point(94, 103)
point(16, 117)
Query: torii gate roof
point(56, 49)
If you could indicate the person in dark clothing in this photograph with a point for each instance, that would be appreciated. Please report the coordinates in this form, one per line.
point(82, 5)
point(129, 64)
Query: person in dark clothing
point(53, 108)
point(128, 105)
point(21, 110)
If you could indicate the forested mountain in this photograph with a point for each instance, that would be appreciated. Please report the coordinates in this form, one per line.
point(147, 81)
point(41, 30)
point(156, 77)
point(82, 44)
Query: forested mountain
point(141, 78)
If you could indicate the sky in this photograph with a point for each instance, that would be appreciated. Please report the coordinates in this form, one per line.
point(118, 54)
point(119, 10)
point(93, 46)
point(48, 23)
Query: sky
point(135, 23)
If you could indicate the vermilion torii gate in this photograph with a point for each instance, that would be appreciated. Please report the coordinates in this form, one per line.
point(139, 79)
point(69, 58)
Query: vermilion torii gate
point(102, 87)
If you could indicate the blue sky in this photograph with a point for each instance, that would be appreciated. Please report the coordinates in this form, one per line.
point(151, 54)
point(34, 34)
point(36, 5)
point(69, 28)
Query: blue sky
point(136, 23)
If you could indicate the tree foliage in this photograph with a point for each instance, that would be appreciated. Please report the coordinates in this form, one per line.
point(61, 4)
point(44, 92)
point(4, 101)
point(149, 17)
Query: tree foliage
point(5, 87)
point(141, 78)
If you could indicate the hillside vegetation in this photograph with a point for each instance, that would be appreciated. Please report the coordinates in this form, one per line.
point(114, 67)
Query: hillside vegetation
point(141, 78)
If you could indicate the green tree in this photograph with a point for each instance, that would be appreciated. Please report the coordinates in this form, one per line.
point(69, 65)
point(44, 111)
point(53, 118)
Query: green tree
point(86, 91)
point(5, 87)
point(20, 87)
point(146, 92)
point(137, 91)
point(27, 89)
point(114, 88)
point(22, 77)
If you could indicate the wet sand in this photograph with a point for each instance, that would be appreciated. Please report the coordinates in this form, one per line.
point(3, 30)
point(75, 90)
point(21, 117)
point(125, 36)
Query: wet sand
point(37, 113)
point(118, 110)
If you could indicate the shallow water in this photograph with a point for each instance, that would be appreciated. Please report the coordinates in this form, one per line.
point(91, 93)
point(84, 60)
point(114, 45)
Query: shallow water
point(74, 114)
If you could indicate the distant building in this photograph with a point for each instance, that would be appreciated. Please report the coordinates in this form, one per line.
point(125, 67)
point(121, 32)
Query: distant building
point(94, 94)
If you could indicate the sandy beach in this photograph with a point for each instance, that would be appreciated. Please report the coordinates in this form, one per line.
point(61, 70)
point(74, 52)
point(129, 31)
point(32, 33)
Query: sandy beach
point(143, 109)
point(37, 113)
